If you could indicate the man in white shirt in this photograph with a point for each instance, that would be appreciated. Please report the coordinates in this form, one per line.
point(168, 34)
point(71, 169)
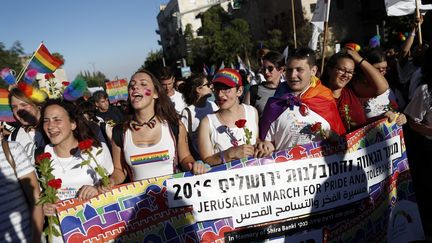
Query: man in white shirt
point(167, 79)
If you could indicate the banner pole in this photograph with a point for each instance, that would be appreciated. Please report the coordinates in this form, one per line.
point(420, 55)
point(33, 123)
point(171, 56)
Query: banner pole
point(419, 25)
point(294, 25)
point(327, 13)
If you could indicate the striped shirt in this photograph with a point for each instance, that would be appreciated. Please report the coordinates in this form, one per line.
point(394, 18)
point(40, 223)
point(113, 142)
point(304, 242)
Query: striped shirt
point(15, 224)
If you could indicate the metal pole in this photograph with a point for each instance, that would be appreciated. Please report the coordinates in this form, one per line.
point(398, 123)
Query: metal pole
point(324, 47)
point(294, 25)
point(419, 26)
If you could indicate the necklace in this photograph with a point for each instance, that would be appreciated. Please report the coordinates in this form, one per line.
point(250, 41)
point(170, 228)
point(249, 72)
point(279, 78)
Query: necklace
point(59, 160)
point(151, 123)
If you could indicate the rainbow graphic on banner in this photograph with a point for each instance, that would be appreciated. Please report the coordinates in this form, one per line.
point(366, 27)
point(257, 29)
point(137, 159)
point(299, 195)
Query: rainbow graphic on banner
point(44, 62)
point(5, 111)
point(149, 157)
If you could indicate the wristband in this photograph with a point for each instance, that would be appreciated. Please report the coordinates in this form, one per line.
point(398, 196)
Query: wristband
point(361, 61)
point(413, 34)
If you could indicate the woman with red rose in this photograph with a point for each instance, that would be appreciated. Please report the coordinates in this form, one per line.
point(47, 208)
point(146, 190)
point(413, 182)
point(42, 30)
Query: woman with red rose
point(153, 142)
point(65, 128)
point(221, 135)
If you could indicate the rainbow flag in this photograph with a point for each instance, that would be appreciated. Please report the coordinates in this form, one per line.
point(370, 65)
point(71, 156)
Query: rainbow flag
point(44, 62)
point(5, 111)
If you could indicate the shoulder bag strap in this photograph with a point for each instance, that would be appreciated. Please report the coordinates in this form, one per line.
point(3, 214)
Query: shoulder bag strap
point(189, 121)
point(7, 152)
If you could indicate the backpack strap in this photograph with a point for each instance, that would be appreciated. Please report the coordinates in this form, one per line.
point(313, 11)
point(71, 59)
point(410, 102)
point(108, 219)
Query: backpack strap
point(189, 122)
point(253, 90)
point(9, 158)
point(15, 133)
point(192, 149)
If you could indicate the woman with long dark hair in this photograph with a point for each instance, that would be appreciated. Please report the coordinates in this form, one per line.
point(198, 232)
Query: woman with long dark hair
point(153, 140)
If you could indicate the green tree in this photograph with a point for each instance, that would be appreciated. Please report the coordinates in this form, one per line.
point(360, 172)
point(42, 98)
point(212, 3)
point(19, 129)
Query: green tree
point(275, 40)
point(11, 58)
point(94, 79)
point(154, 61)
point(188, 37)
point(223, 39)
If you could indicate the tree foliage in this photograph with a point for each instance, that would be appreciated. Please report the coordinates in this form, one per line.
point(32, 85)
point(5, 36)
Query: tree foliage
point(223, 39)
point(94, 79)
point(10, 58)
point(154, 61)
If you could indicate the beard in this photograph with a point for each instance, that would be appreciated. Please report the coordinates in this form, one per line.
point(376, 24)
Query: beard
point(27, 117)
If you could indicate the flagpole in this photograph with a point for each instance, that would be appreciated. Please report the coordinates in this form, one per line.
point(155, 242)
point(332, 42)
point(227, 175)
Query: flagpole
point(294, 25)
point(28, 63)
point(419, 25)
point(326, 18)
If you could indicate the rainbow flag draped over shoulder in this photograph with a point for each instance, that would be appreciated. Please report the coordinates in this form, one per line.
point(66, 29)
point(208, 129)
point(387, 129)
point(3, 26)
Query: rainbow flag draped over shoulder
point(44, 62)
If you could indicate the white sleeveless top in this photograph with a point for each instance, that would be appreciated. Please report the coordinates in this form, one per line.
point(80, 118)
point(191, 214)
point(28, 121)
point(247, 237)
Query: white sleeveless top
point(153, 161)
point(223, 137)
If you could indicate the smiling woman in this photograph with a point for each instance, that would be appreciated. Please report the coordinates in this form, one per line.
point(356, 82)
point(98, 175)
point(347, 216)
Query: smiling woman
point(153, 141)
point(65, 128)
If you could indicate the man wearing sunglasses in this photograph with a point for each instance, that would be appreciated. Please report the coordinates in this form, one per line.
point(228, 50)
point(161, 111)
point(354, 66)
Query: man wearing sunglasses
point(306, 112)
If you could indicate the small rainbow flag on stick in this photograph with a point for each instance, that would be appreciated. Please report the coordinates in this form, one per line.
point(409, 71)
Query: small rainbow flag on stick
point(5, 111)
point(43, 61)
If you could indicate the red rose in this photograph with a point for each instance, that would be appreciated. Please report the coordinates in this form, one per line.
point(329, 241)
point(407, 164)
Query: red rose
point(65, 83)
point(55, 183)
point(86, 144)
point(393, 105)
point(43, 156)
point(240, 123)
point(303, 110)
point(316, 127)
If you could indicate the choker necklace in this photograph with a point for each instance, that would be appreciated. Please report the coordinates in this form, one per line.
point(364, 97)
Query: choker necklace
point(151, 123)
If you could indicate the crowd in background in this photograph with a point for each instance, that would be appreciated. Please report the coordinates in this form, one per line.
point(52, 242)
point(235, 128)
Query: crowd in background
point(171, 125)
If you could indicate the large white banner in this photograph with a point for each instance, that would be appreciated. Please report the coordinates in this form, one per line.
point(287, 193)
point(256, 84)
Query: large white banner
point(284, 190)
point(404, 7)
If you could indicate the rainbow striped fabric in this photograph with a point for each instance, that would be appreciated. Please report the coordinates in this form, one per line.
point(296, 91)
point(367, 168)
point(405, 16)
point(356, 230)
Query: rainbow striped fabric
point(44, 62)
point(5, 111)
point(149, 157)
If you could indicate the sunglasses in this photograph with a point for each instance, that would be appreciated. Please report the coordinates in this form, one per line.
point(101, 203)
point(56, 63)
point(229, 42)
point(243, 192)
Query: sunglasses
point(269, 68)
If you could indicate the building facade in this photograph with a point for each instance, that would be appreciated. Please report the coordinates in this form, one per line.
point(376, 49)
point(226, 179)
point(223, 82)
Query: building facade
point(353, 20)
point(173, 19)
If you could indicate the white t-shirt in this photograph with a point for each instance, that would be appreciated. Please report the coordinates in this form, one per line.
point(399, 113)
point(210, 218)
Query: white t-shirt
point(30, 141)
point(197, 113)
point(153, 161)
point(420, 109)
point(179, 103)
point(292, 128)
point(223, 137)
point(378, 105)
point(15, 224)
point(74, 176)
